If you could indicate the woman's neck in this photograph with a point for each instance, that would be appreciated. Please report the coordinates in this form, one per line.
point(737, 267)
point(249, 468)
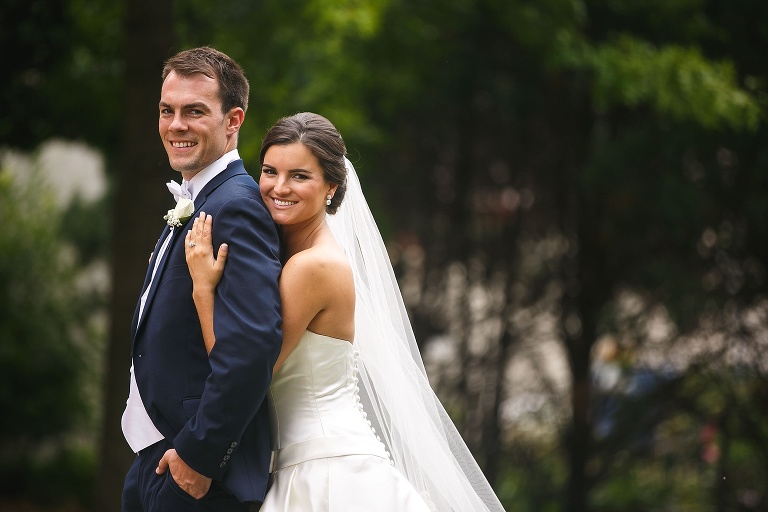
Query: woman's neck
point(299, 238)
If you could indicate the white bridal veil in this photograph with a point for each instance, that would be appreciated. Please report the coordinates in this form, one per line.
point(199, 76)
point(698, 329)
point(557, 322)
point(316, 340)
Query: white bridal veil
point(406, 413)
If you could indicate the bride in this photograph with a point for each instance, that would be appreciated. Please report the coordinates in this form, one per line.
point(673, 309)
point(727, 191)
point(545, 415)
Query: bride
point(355, 424)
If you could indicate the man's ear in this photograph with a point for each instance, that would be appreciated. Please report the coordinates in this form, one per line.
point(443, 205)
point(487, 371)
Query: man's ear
point(235, 119)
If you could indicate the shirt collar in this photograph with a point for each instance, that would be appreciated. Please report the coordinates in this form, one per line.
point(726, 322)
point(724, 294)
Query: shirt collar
point(201, 179)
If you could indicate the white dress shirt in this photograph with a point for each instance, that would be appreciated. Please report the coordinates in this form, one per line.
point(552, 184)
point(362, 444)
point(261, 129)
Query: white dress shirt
point(138, 428)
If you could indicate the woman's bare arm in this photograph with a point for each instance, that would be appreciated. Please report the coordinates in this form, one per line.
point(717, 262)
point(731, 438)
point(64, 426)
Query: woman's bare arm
point(206, 272)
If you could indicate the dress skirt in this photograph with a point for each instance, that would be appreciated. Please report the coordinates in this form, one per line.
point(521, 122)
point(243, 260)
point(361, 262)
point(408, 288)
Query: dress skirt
point(349, 483)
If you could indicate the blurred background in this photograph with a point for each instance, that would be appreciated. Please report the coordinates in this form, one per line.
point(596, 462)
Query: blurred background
point(574, 194)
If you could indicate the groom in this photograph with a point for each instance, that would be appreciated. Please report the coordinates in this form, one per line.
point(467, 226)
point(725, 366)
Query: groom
point(198, 422)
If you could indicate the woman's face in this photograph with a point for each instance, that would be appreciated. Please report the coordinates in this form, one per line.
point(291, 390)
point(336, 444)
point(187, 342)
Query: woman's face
point(292, 184)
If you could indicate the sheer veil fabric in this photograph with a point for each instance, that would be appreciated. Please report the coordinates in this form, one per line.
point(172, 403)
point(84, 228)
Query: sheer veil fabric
point(403, 408)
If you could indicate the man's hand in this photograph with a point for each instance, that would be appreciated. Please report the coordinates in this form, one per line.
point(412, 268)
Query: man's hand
point(193, 483)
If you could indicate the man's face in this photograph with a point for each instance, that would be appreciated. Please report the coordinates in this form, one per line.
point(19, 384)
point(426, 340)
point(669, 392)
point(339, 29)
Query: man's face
point(192, 127)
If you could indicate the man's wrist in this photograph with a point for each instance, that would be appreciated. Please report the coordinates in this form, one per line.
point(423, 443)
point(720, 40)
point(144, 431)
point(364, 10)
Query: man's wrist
point(200, 293)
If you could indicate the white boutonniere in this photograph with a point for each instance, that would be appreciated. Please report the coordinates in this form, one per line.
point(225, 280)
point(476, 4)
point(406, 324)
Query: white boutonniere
point(183, 211)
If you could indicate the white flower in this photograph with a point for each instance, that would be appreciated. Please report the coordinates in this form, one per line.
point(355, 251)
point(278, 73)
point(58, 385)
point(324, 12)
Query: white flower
point(183, 211)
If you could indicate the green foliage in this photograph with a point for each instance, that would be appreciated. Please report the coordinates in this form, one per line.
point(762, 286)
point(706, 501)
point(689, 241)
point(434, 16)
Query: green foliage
point(677, 82)
point(533, 475)
point(41, 359)
point(63, 69)
point(540, 27)
point(693, 443)
point(340, 17)
point(37, 32)
point(63, 482)
point(659, 21)
point(87, 226)
point(650, 486)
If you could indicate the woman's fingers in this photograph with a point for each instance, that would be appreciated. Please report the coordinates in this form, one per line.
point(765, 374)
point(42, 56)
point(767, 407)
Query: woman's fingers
point(198, 225)
point(218, 263)
point(192, 240)
point(201, 228)
point(206, 225)
point(198, 241)
point(206, 270)
point(195, 233)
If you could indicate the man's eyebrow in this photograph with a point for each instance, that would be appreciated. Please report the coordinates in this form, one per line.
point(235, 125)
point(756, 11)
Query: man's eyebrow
point(197, 105)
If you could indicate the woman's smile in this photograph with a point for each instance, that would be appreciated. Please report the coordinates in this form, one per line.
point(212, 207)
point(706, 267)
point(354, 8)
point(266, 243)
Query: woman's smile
point(279, 202)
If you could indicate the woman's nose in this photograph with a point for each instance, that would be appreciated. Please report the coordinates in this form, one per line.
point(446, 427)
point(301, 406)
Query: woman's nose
point(281, 186)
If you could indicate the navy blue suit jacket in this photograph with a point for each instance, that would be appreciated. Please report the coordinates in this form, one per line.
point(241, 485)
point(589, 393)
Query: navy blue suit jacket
point(213, 407)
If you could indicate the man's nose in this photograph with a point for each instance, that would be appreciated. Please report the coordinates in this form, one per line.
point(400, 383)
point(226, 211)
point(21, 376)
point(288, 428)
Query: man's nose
point(178, 124)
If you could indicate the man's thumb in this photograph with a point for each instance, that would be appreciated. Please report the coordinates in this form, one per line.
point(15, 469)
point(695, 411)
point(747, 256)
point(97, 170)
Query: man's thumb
point(162, 466)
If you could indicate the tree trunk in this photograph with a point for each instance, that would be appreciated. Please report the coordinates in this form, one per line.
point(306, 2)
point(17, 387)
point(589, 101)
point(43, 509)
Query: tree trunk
point(139, 203)
point(580, 437)
point(492, 443)
point(587, 288)
point(585, 307)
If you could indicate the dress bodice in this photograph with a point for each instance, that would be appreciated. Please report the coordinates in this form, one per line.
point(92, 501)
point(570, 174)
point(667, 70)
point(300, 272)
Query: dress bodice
point(315, 409)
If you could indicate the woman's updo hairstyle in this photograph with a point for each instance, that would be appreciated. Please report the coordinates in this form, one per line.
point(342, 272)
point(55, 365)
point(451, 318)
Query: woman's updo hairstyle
point(323, 140)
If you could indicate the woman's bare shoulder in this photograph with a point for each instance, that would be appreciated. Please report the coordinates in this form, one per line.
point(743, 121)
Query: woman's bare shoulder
point(319, 261)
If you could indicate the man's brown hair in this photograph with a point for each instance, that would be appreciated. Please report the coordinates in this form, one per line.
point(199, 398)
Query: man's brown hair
point(233, 86)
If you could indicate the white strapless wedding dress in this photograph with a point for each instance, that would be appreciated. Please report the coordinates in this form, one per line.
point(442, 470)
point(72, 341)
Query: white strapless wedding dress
point(326, 455)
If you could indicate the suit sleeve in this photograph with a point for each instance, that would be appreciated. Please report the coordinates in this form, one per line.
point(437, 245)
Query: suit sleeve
point(247, 325)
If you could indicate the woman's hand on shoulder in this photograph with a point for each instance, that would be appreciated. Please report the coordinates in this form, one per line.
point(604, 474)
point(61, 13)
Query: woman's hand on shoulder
point(205, 269)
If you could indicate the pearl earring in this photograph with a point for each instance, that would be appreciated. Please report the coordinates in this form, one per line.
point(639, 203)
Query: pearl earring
point(328, 200)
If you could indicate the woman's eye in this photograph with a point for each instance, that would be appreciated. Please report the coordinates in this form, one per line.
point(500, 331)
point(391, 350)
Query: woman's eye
point(300, 176)
point(266, 170)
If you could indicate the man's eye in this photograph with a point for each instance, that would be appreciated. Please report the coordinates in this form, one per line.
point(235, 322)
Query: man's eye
point(165, 111)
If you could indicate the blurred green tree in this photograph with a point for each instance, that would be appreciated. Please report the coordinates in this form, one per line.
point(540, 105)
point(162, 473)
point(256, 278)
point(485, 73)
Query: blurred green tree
point(43, 336)
point(63, 71)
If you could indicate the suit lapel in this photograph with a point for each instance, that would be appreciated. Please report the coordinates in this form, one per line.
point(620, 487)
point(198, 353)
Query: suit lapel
point(160, 269)
point(233, 169)
point(148, 279)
